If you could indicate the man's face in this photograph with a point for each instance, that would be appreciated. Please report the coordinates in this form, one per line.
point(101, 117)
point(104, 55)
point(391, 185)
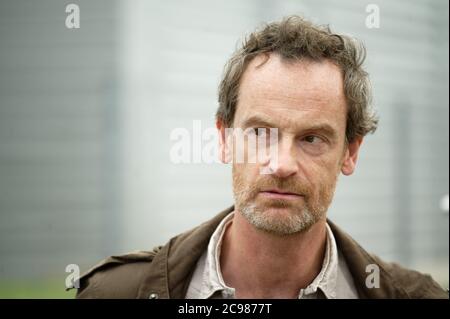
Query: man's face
point(305, 101)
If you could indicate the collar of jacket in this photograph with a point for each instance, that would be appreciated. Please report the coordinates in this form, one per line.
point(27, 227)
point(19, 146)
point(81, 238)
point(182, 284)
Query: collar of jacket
point(171, 269)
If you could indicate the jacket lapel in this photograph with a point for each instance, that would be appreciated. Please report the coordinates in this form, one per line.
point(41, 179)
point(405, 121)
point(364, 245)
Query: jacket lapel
point(357, 261)
point(171, 270)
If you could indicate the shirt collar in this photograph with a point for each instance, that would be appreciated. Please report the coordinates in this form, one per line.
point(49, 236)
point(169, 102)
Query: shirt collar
point(326, 279)
point(212, 276)
point(213, 283)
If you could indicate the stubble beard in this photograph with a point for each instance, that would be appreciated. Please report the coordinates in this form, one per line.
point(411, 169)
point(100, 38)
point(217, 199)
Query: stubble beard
point(281, 217)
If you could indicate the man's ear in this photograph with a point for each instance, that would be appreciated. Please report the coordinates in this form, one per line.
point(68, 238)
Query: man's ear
point(223, 143)
point(351, 156)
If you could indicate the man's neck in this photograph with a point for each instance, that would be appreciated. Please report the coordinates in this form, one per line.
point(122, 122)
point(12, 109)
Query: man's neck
point(263, 265)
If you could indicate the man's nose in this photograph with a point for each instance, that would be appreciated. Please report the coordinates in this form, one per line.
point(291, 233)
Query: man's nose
point(285, 164)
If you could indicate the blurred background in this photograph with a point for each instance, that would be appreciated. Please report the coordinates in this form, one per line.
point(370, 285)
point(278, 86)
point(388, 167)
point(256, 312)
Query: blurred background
point(86, 116)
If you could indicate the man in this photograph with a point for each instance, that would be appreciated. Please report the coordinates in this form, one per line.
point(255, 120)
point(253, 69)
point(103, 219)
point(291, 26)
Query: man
point(276, 241)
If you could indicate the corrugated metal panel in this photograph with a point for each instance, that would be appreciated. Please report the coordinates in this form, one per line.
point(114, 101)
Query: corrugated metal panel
point(55, 122)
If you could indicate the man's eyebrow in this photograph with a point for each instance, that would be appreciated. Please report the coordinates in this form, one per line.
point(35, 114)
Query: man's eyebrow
point(322, 127)
point(257, 120)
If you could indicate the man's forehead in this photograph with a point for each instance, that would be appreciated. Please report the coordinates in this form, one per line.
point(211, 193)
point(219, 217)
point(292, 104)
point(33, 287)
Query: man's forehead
point(274, 77)
point(289, 90)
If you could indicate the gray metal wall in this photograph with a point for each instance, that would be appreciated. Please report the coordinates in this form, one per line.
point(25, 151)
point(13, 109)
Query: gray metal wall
point(57, 115)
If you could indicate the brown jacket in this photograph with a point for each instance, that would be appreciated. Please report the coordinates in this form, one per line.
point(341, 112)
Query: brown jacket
point(165, 272)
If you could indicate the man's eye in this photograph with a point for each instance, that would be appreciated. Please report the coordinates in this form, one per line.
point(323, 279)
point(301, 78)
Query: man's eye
point(312, 139)
point(261, 130)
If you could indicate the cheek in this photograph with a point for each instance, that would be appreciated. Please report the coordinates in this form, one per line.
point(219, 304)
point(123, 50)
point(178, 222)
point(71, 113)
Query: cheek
point(244, 174)
point(320, 173)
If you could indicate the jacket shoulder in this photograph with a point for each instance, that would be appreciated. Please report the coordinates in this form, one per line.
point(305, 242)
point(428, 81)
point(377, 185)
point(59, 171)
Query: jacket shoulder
point(116, 276)
point(415, 284)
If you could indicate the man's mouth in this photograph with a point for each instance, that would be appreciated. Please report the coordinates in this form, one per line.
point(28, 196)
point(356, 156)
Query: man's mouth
point(280, 194)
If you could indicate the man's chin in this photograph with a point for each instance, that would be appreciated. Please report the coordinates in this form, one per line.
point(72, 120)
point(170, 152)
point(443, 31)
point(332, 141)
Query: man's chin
point(278, 211)
point(281, 221)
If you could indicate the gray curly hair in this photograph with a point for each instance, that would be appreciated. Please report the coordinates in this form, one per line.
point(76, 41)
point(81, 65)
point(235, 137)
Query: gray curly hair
point(295, 38)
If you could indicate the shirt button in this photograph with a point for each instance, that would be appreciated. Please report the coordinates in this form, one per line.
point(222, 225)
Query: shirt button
point(153, 296)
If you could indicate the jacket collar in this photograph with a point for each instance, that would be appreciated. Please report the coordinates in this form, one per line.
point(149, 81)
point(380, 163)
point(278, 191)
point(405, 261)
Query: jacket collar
point(171, 270)
point(358, 260)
